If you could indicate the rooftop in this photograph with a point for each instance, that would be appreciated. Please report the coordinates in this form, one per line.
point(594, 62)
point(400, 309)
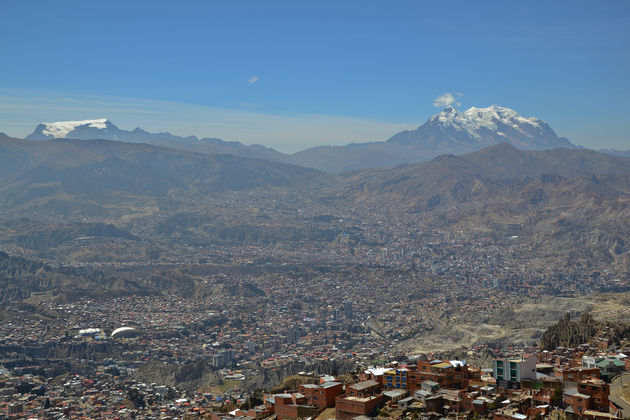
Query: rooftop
point(364, 385)
point(393, 393)
point(361, 399)
point(573, 392)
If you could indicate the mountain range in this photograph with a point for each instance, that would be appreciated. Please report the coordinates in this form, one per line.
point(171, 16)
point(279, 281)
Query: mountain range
point(448, 132)
point(566, 204)
point(450, 181)
point(487, 170)
point(103, 129)
point(72, 176)
point(570, 203)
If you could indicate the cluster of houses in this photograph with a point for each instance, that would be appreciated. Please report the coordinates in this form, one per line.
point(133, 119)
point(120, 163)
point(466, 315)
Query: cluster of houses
point(517, 387)
point(564, 383)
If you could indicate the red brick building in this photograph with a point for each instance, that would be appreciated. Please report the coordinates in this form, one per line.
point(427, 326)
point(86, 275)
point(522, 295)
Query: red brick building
point(577, 401)
point(292, 406)
point(364, 388)
point(323, 395)
point(363, 398)
point(598, 390)
point(543, 410)
point(350, 406)
point(453, 375)
point(576, 374)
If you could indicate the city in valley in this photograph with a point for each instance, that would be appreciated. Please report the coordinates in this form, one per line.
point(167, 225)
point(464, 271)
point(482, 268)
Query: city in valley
point(292, 306)
point(314, 210)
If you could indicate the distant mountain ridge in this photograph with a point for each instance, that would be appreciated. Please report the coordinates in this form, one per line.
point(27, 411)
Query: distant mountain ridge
point(575, 199)
point(448, 132)
point(93, 173)
point(103, 129)
point(449, 179)
point(615, 152)
point(565, 202)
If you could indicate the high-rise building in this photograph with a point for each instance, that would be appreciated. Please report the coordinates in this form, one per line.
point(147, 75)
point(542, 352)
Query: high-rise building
point(347, 308)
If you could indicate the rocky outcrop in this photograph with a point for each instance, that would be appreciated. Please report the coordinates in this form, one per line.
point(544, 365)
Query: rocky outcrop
point(569, 333)
point(187, 376)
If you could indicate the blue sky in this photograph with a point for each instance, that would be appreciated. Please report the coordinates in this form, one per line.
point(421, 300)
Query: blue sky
point(296, 74)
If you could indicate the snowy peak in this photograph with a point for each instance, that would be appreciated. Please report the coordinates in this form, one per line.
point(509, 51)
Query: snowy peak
point(494, 115)
point(473, 119)
point(476, 128)
point(62, 128)
point(98, 128)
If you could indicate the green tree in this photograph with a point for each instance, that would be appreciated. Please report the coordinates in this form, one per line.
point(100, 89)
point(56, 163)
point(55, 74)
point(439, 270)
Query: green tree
point(556, 396)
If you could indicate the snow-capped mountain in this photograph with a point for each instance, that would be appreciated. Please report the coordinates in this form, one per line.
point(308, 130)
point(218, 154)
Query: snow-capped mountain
point(476, 128)
point(448, 132)
point(61, 129)
point(103, 129)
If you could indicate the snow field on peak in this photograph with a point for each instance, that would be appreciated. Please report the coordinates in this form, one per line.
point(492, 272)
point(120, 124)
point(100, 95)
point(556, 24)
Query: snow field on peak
point(505, 115)
point(61, 129)
point(475, 119)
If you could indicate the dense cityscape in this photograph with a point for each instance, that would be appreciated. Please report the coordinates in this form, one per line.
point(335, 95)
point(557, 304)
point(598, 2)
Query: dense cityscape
point(281, 210)
point(83, 365)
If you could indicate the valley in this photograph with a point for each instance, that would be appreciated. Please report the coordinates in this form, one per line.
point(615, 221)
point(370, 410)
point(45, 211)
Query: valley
point(232, 267)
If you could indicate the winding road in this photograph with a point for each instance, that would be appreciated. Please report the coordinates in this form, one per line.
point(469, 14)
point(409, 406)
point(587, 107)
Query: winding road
point(616, 395)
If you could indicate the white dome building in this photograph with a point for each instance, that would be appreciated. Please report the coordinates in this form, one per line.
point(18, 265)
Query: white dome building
point(125, 332)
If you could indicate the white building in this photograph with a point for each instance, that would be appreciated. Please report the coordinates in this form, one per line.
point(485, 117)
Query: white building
point(514, 370)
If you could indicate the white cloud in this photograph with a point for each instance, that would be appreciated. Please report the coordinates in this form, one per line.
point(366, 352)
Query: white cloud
point(444, 100)
point(252, 80)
